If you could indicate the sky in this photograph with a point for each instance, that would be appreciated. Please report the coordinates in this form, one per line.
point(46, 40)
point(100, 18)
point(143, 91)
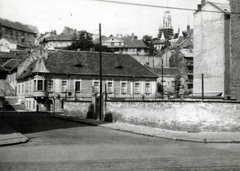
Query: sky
point(115, 18)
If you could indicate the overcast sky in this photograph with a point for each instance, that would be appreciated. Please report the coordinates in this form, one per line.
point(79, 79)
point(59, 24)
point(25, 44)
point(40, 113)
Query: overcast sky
point(115, 18)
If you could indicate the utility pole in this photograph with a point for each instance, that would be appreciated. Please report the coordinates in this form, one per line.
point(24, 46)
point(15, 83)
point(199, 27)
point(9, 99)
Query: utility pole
point(202, 86)
point(100, 58)
point(162, 79)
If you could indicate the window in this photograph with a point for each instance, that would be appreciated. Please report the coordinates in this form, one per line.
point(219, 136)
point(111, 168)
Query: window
point(123, 88)
point(164, 83)
point(96, 86)
point(18, 88)
point(137, 88)
point(33, 104)
point(110, 87)
point(120, 43)
point(40, 85)
point(35, 85)
point(64, 86)
point(147, 88)
point(22, 88)
point(49, 85)
point(26, 88)
point(77, 86)
point(30, 87)
point(112, 43)
point(173, 83)
point(30, 105)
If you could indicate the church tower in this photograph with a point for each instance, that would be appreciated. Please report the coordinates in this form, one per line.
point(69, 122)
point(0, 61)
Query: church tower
point(166, 28)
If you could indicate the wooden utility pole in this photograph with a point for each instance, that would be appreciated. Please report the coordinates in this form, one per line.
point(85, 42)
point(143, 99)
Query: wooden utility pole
point(100, 58)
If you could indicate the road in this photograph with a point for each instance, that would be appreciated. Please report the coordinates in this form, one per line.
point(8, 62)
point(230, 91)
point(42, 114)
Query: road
point(65, 146)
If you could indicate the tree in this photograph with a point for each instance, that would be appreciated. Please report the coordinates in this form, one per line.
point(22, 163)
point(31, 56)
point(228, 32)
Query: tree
point(83, 41)
point(104, 48)
point(147, 39)
point(177, 85)
point(159, 88)
point(151, 49)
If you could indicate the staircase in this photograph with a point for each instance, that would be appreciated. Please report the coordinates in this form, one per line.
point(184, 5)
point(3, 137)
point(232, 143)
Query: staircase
point(11, 104)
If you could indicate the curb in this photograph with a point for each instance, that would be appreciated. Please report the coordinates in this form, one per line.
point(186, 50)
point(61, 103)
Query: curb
point(103, 124)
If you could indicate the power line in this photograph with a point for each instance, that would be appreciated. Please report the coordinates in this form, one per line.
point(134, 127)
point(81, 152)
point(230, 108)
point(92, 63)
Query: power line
point(159, 6)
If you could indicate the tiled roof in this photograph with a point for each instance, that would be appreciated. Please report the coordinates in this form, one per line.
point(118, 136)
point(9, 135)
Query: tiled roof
point(166, 71)
point(130, 43)
point(40, 67)
point(87, 63)
point(15, 25)
point(187, 52)
point(223, 7)
point(135, 43)
point(60, 38)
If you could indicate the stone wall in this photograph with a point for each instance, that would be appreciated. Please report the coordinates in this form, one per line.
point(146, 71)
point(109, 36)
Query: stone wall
point(201, 116)
point(80, 109)
point(235, 59)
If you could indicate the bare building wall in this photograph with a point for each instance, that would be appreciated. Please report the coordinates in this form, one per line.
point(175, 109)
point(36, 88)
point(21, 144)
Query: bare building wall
point(235, 50)
point(209, 51)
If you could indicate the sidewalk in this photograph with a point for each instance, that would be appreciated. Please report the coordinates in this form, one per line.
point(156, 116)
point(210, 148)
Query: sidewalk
point(9, 136)
point(201, 137)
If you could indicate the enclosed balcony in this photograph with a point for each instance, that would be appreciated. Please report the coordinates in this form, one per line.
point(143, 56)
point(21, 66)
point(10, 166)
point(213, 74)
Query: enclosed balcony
point(40, 88)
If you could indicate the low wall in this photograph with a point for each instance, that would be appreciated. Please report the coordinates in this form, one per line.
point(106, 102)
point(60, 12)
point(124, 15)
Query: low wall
point(80, 109)
point(181, 116)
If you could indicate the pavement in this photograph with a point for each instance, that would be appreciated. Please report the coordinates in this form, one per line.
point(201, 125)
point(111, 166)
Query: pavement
point(9, 136)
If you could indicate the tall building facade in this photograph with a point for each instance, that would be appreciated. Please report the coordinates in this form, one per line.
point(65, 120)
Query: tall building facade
point(212, 45)
point(166, 28)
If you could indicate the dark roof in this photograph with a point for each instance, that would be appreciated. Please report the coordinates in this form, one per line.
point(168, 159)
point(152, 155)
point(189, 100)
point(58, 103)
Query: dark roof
point(60, 38)
point(10, 64)
point(87, 63)
point(166, 71)
point(15, 25)
point(3, 69)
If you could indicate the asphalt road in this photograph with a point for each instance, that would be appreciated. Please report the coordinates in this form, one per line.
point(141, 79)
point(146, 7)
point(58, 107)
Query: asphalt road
point(63, 145)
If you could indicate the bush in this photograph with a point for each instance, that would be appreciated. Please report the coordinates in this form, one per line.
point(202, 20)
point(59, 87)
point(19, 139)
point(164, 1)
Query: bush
point(110, 117)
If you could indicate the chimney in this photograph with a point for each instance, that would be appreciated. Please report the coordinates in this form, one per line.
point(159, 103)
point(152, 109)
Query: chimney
point(199, 7)
point(132, 37)
point(203, 2)
point(188, 28)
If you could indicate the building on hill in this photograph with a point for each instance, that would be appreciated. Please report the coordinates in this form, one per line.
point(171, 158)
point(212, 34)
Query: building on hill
point(126, 45)
point(59, 41)
point(69, 31)
point(17, 32)
point(74, 75)
point(212, 50)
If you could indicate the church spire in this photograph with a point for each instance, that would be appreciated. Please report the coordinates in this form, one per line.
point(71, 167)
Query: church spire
point(162, 36)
